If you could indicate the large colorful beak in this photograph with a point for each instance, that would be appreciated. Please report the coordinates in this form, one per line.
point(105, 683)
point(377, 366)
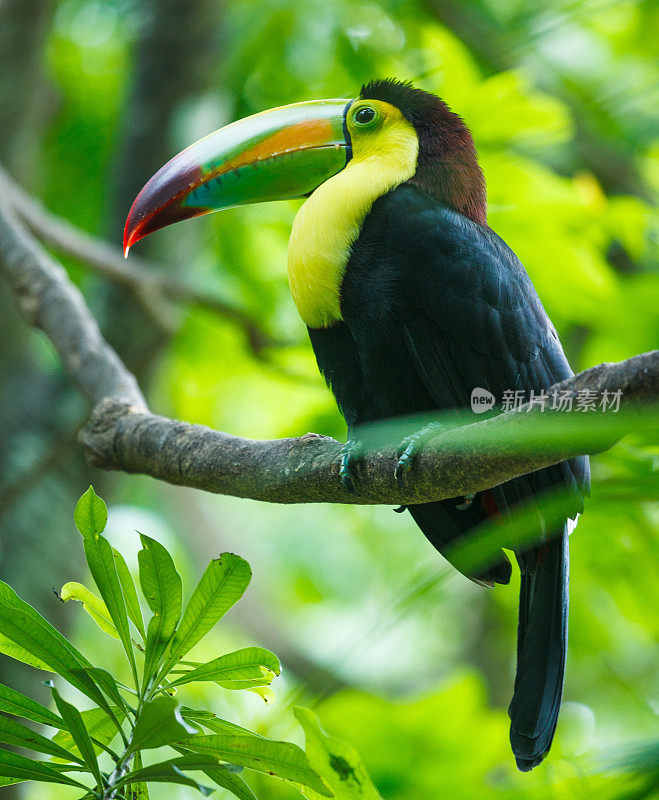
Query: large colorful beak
point(279, 154)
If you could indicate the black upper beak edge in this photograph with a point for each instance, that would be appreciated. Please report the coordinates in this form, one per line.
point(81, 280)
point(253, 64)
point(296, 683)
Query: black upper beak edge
point(346, 132)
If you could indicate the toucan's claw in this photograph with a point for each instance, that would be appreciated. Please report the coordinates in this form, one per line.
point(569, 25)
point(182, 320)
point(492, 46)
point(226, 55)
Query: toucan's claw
point(411, 445)
point(351, 453)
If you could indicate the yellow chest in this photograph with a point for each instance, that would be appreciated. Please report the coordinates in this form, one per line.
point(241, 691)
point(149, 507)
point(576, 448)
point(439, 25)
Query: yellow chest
point(327, 226)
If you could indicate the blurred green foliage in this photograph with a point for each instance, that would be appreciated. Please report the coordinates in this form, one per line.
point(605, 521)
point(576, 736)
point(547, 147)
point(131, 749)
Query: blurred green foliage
point(560, 98)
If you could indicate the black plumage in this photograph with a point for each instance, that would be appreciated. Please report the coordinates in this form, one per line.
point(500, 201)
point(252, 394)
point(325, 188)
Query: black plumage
point(433, 305)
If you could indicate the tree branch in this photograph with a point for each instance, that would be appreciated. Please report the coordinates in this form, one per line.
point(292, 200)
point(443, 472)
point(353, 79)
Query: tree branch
point(123, 434)
point(52, 303)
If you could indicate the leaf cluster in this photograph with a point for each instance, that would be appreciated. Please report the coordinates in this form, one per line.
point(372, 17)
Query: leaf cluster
point(207, 751)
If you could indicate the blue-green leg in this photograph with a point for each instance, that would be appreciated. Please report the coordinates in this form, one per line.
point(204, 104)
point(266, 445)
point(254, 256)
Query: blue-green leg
point(412, 444)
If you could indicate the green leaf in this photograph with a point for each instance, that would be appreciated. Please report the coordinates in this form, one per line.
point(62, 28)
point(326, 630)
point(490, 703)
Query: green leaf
point(130, 592)
point(264, 692)
point(102, 730)
point(214, 723)
point(138, 790)
point(24, 631)
point(104, 572)
point(163, 590)
point(13, 765)
point(221, 586)
point(13, 702)
point(241, 669)
point(172, 772)
point(80, 734)
point(93, 605)
point(13, 732)
point(10, 648)
point(90, 515)
point(159, 723)
point(337, 763)
point(10, 781)
point(229, 780)
point(283, 759)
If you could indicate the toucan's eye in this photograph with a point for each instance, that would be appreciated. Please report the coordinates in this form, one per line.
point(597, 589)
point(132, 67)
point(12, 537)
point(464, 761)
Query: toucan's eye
point(364, 115)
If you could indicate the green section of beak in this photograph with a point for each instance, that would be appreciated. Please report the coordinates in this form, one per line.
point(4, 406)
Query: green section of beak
point(279, 154)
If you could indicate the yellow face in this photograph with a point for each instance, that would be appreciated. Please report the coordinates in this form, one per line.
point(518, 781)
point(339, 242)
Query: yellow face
point(384, 153)
point(378, 129)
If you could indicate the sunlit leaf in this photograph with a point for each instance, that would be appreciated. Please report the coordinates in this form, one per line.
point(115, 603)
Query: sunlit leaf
point(214, 723)
point(93, 605)
point(221, 586)
point(242, 669)
point(337, 762)
point(104, 572)
point(13, 702)
point(160, 723)
point(283, 759)
point(264, 692)
point(26, 632)
point(90, 515)
point(163, 590)
point(14, 650)
point(130, 592)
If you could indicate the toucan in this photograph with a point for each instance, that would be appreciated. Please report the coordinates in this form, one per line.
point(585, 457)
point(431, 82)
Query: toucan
point(412, 303)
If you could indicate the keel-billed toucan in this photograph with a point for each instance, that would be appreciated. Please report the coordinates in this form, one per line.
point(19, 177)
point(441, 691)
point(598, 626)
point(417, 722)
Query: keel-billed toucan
point(411, 302)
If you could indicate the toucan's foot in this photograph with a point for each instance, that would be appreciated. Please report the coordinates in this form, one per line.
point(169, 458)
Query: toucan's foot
point(351, 453)
point(411, 445)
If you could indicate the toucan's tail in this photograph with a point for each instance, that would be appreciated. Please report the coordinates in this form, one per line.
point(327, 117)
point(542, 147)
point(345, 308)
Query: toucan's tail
point(541, 652)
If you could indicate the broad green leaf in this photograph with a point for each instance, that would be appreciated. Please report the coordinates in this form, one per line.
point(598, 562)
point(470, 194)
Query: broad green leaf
point(251, 666)
point(93, 605)
point(104, 572)
point(102, 730)
point(24, 631)
point(80, 734)
point(10, 648)
point(13, 765)
point(90, 515)
point(221, 586)
point(130, 592)
point(214, 723)
point(13, 702)
point(337, 763)
point(13, 732)
point(138, 790)
point(11, 781)
point(283, 759)
point(160, 723)
point(229, 780)
point(226, 778)
point(163, 590)
point(172, 772)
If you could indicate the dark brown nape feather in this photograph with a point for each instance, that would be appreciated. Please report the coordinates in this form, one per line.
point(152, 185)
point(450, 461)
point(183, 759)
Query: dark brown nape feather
point(447, 166)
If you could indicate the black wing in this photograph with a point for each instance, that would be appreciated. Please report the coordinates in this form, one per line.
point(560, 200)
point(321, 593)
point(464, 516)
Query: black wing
point(468, 316)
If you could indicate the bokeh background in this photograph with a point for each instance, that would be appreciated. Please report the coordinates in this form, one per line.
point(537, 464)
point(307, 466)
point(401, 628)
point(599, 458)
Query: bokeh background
point(399, 655)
